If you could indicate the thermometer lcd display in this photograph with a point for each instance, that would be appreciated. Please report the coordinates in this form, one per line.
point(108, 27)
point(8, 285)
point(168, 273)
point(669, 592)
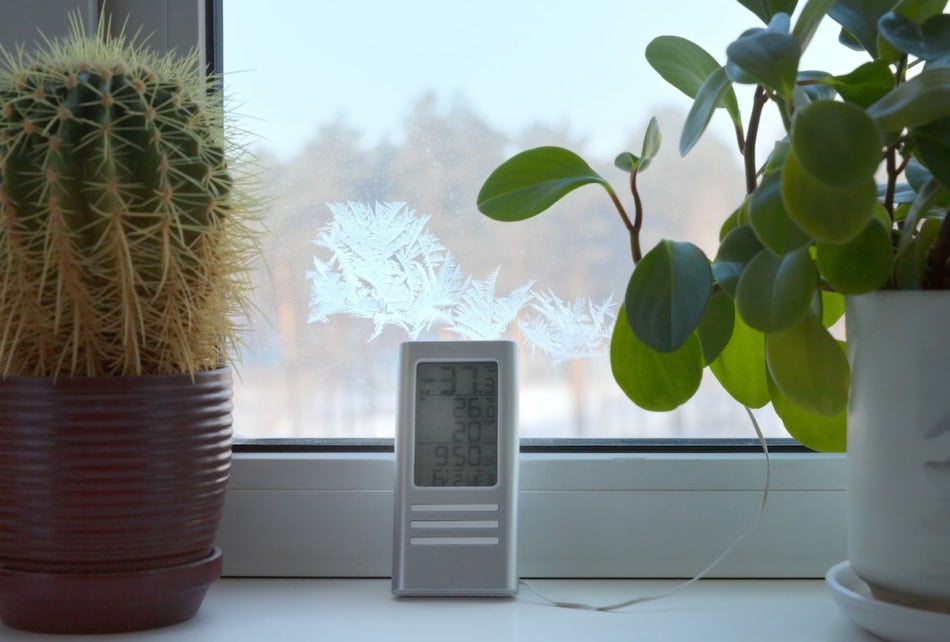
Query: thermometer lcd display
point(456, 424)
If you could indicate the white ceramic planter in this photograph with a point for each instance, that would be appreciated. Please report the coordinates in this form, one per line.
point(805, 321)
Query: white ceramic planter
point(899, 446)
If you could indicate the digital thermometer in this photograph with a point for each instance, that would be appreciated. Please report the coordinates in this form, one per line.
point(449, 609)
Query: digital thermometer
point(456, 469)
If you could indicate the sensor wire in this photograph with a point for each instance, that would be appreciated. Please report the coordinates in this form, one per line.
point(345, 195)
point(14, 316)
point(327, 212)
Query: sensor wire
point(702, 573)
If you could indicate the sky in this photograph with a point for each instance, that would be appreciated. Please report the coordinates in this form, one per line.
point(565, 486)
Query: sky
point(293, 65)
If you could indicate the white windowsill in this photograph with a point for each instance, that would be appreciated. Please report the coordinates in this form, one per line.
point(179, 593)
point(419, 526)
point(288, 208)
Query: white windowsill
point(246, 610)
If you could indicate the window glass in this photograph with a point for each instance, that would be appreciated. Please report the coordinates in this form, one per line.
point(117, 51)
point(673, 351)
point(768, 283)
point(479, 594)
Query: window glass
point(376, 122)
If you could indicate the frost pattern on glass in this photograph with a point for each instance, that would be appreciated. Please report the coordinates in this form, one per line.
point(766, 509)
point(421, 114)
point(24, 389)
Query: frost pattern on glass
point(479, 314)
point(566, 331)
point(386, 266)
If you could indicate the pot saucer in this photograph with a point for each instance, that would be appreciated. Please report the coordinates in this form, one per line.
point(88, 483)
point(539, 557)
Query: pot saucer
point(114, 602)
point(884, 619)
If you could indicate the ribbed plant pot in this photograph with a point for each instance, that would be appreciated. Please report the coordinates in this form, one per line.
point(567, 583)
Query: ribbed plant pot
point(111, 490)
point(899, 446)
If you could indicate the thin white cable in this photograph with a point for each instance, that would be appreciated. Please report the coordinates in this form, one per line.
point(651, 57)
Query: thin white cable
point(702, 573)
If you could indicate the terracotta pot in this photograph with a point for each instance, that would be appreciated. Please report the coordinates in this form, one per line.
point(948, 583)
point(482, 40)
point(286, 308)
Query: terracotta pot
point(899, 446)
point(110, 494)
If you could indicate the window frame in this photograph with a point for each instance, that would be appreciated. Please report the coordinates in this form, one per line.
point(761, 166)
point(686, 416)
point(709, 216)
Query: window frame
point(610, 511)
point(587, 509)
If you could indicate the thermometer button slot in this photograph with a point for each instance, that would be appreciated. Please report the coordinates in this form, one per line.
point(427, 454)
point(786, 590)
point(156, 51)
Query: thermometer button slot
point(454, 541)
point(454, 508)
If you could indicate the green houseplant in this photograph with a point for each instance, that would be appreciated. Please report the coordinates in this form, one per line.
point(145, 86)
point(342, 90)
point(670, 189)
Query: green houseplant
point(125, 247)
point(851, 201)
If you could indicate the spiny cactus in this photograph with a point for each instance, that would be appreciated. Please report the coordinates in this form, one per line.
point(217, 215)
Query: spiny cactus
point(124, 241)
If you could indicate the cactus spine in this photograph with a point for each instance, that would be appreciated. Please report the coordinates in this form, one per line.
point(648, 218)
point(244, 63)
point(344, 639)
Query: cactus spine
point(125, 243)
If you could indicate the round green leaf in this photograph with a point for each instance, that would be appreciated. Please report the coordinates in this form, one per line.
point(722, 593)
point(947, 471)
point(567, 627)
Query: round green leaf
point(740, 367)
point(626, 161)
point(837, 143)
point(927, 41)
point(883, 216)
point(849, 41)
point(932, 142)
point(715, 330)
point(865, 85)
point(668, 293)
point(736, 74)
point(912, 261)
point(832, 308)
point(860, 265)
point(809, 18)
point(776, 160)
point(765, 9)
point(654, 380)
point(708, 98)
point(809, 367)
point(824, 434)
point(630, 162)
point(771, 221)
point(910, 267)
point(734, 220)
point(769, 56)
point(815, 85)
point(921, 100)
point(858, 19)
point(532, 181)
point(686, 66)
point(917, 175)
point(737, 248)
point(824, 211)
point(928, 196)
point(774, 292)
point(651, 144)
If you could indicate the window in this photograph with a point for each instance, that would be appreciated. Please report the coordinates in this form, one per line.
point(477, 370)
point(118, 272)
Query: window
point(609, 511)
point(359, 104)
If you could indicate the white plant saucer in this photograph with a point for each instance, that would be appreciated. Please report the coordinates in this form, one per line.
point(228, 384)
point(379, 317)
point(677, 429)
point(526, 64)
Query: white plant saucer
point(884, 619)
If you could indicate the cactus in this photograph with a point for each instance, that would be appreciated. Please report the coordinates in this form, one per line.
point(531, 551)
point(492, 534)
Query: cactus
point(125, 242)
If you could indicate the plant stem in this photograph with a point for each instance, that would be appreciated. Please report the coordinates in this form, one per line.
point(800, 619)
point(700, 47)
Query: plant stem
point(758, 104)
point(633, 228)
point(740, 139)
point(901, 69)
point(637, 220)
point(890, 156)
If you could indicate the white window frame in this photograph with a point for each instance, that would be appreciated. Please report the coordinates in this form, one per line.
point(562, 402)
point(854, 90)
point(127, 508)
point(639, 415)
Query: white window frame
point(587, 514)
point(582, 514)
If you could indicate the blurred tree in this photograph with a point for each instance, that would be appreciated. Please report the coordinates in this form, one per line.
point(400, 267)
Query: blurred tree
point(329, 373)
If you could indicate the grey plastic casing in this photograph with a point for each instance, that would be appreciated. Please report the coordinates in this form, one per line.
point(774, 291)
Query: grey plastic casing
point(456, 540)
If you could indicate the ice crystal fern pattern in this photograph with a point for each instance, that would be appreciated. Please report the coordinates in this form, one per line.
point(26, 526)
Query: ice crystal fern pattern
point(385, 265)
point(566, 331)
